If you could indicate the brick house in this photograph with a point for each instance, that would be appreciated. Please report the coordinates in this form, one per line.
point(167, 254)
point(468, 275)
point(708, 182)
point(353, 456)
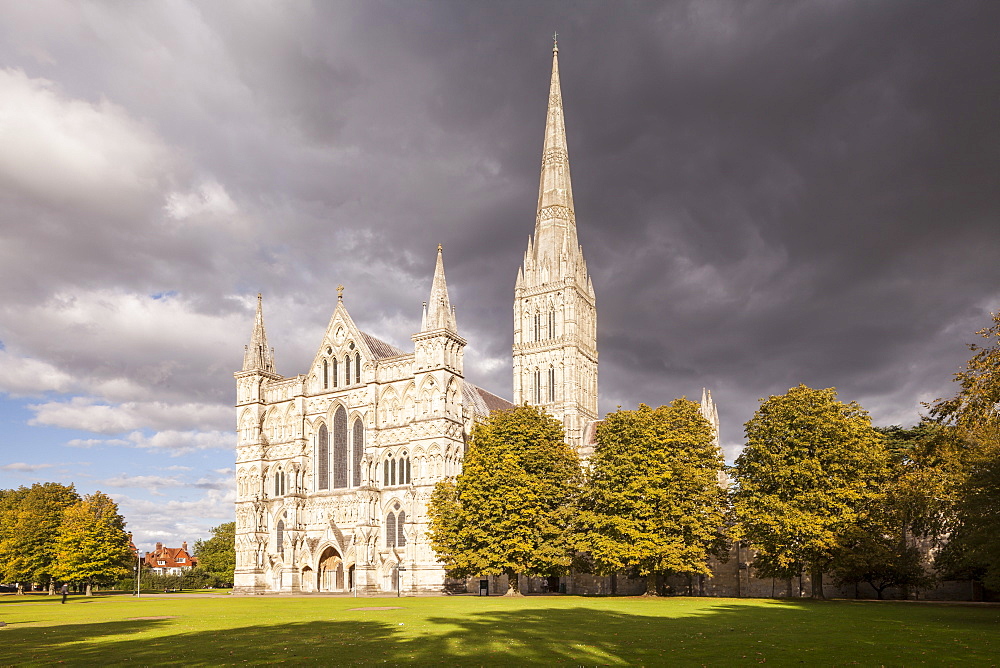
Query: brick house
point(170, 560)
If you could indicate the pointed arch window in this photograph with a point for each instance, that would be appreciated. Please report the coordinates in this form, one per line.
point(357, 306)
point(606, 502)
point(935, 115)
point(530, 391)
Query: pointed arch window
point(538, 386)
point(357, 367)
point(386, 465)
point(390, 530)
point(333, 371)
point(552, 322)
point(392, 472)
point(538, 326)
point(340, 469)
point(281, 537)
point(358, 450)
point(552, 384)
point(326, 375)
point(323, 459)
point(400, 536)
point(280, 481)
point(347, 369)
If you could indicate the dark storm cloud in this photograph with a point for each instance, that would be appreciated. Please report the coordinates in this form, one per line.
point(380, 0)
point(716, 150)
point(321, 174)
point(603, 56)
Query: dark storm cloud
point(767, 193)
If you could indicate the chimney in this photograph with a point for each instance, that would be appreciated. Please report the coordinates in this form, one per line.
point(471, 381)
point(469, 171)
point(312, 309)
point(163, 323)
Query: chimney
point(159, 546)
point(184, 546)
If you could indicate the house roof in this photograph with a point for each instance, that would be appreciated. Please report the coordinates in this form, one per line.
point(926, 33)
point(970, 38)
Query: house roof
point(170, 555)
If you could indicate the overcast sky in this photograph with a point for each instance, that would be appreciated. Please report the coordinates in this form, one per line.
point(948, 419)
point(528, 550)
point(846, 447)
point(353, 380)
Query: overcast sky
point(767, 194)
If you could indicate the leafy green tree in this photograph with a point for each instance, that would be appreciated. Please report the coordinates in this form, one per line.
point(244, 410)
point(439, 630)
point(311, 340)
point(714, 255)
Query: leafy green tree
point(30, 518)
point(813, 470)
point(652, 503)
point(974, 542)
point(510, 510)
point(93, 546)
point(217, 555)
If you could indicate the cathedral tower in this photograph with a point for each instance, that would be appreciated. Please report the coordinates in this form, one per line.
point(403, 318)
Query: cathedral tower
point(555, 311)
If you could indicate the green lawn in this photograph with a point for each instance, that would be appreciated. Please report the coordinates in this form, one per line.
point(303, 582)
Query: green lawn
point(112, 630)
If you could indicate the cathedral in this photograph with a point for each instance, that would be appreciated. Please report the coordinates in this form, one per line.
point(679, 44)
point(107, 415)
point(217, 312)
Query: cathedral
point(335, 466)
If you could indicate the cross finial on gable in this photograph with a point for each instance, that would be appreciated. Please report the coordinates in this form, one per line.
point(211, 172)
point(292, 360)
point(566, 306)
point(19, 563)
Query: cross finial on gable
point(340, 293)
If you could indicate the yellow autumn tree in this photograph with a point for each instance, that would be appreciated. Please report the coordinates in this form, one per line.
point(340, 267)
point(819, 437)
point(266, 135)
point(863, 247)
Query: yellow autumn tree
point(93, 546)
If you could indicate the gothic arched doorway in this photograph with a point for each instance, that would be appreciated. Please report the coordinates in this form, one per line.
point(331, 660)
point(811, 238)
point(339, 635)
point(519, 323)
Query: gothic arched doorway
point(330, 576)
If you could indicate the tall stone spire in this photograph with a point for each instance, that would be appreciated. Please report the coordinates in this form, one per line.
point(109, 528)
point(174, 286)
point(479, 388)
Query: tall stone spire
point(555, 309)
point(555, 222)
point(257, 356)
point(439, 313)
point(710, 412)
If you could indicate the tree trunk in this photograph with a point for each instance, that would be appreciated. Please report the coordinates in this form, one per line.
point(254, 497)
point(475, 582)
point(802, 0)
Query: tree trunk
point(651, 585)
point(513, 586)
point(817, 582)
point(90, 591)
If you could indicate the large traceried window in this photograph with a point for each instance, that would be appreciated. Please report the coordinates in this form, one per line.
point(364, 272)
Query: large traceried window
point(340, 467)
point(359, 450)
point(323, 458)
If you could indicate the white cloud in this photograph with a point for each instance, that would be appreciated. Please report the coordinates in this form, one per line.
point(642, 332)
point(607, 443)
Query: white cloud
point(25, 468)
point(71, 152)
point(26, 376)
point(87, 414)
point(183, 442)
point(210, 198)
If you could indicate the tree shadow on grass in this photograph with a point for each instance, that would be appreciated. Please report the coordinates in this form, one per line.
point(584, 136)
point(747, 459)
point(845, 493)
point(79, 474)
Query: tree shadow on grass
point(627, 632)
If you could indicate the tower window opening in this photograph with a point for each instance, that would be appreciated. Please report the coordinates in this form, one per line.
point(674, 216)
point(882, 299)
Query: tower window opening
point(552, 323)
point(552, 384)
point(538, 386)
point(538, 326)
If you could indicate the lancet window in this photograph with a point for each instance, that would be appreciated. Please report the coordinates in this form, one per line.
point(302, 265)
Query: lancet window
point(347, 370)
point(333, 371)
point(359, 450)
point(357, 367)
point(323, 458)
point(340, 467)
point(281, 537)
point(552, 384)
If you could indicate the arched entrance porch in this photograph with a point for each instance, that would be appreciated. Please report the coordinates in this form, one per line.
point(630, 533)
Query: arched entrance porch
point(330, 576)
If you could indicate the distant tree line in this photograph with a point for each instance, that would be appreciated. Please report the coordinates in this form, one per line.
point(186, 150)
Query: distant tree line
point(817, 489)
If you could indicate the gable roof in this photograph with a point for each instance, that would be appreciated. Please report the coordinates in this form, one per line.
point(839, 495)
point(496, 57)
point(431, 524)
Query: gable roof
point(380, 349)
point(482, 401)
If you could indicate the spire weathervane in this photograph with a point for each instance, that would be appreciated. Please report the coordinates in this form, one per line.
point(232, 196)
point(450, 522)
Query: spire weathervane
point(555, 41)
point(340, 293)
